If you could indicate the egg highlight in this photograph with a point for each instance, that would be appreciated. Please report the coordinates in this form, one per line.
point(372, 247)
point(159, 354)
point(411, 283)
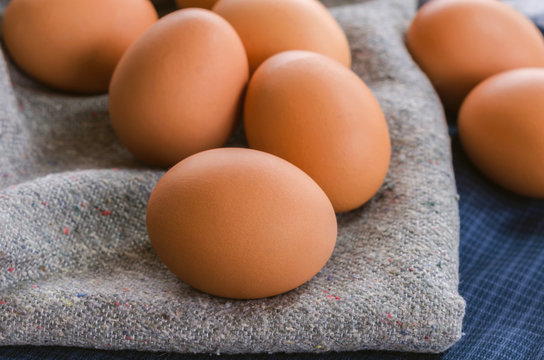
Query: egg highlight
point(268, 27)
point(72, 45)
point(459, 43)
point(240, 223)
point(178, 89)
point(317, 114)
point(501, 128)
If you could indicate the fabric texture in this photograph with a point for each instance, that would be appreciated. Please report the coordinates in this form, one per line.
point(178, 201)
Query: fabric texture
point(77, 268)
point(502, 279)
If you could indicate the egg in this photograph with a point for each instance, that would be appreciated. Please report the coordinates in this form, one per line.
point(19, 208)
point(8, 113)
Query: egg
point(317, 114)
point(72, 45)
point(207, 4)
point(459, 43)
point(240, 223)
point(268, 27)
point(178, 88)
point(501, 128)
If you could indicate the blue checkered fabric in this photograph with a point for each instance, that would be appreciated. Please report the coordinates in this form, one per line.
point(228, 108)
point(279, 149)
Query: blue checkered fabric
point(501, 272)
point(501, 269)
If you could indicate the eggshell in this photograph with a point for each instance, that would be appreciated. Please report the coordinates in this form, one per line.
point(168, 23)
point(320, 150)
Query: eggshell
point(207, 4)
point(268, 27)
point(459, 43)
point(501, 127)
point(73, 45)
point(177, 90)
point(317, 114)
point(240, 223)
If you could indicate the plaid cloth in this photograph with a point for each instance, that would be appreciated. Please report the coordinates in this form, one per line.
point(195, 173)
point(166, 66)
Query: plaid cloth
point(501, 272)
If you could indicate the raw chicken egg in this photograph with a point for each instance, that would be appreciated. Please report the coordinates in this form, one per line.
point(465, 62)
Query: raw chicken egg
point(268, 27)
point(240, 223)
point(317, 114)
point(459, 43)
point(73, 45)
point(178, 88)
point(501, 127)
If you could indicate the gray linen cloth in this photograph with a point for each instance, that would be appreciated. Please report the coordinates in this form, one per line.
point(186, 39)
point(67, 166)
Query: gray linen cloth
point(77, 267)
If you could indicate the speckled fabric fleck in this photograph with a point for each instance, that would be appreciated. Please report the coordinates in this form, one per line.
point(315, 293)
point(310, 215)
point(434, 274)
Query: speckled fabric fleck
point(77, 268)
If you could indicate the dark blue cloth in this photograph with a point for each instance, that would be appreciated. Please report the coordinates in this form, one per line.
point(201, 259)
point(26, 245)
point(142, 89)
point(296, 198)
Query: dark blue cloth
point(501, 273)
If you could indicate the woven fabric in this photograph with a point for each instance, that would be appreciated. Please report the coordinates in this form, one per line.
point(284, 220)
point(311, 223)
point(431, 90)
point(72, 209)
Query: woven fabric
point(77, 268)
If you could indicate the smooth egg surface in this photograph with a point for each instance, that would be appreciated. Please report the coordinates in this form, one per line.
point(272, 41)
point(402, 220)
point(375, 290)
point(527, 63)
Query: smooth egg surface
point(178, 89)
point(268, 27)
point(73, 45)
point(317, 114)
point(501, 127)
point(240, 223)
point(459, 43)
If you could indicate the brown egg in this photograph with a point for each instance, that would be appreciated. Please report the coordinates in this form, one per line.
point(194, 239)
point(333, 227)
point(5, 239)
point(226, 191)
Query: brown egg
point(177, 90)
point(317, 114)
point(207, 4)
point(501, 127)
point(73, 45)
point(240, 223)
point(459, 43)
point(268, 27)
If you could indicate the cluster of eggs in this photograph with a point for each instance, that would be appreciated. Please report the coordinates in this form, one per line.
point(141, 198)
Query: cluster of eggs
point(232, 222)
point(486, 61)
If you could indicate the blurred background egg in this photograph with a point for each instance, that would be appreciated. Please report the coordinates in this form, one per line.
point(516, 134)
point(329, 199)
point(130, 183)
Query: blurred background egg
point(317, 114)
point(73, 45)
point(240, 223)
point(178, 89)
point(501, 127)
point(459, 43)
point(268, 27)
point(207, 4)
